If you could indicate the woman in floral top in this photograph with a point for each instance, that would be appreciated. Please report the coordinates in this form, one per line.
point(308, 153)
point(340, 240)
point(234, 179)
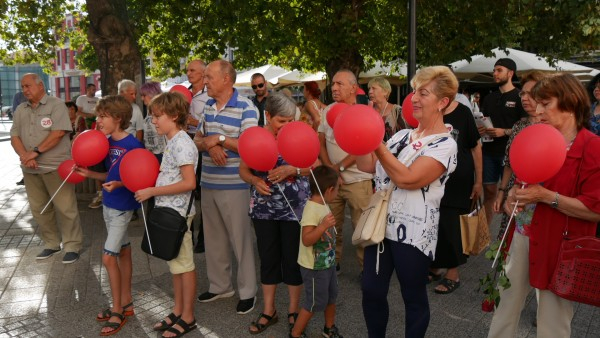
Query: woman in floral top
point(275, 221)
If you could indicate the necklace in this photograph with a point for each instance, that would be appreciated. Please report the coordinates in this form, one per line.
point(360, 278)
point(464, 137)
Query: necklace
point(384, 108)
point(416, 136)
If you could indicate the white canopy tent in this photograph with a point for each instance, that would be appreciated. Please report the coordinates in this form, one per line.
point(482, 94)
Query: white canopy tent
point(270, 73)
point(298, 77)
point(481, 67)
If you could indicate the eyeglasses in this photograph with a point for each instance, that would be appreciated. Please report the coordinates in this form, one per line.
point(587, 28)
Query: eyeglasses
point(523, 93)
point(260, 85)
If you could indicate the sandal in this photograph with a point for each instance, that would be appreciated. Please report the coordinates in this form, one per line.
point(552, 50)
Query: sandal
point(292, 315)
point(116, 327)
point(163, 323)
point(185, 326)
point(106, 314)
point(432, 276)
point(261, 327)
point(450, 286)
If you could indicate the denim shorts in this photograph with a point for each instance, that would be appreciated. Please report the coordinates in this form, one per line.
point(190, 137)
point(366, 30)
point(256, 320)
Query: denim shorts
point(117, 222)
point(320, 288)
point(492, 168)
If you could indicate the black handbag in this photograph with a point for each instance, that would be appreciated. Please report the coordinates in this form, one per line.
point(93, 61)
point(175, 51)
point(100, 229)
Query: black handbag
point(165, 229)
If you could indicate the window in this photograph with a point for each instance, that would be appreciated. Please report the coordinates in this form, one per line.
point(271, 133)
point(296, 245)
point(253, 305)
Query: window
point(67, 57)
point(74, 86)
point(58, 57)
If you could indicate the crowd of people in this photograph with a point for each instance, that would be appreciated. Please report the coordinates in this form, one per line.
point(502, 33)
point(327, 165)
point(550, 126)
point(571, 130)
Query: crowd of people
point(436, 172)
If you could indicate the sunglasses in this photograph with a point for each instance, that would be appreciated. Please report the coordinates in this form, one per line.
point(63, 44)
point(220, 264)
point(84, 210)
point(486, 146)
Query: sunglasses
point(260, 85)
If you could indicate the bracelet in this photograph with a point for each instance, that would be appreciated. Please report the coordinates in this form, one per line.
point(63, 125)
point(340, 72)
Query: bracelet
point(501, 189)
point(298, 172)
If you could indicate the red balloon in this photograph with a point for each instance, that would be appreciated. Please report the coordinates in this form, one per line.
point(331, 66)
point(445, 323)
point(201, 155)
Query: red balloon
point(334, 112)
point(537, 153)
point(359, 130)
point(187, 94)
point(65, 168)
point(89, 148)
point(258, 149)
point(298, 144)
point(407, 111)
point(139, 169)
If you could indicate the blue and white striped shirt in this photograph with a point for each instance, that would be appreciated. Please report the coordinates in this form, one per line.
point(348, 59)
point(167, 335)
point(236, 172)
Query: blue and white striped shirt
point(232, 120)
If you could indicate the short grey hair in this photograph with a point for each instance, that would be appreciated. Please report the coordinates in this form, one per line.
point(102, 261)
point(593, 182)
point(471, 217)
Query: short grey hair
point(352, 76)
point(124, 85)
point(36, 77)
point(278, 104)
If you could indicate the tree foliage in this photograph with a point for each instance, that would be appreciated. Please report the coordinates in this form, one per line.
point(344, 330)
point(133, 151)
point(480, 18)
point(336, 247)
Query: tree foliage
point(312, 34)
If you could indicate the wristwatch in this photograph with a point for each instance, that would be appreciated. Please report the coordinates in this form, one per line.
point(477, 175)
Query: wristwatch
point(507, 132)
point(298, 173)
point(554, 203)
point(221, 139)
point(342, 168)
point(37, 150)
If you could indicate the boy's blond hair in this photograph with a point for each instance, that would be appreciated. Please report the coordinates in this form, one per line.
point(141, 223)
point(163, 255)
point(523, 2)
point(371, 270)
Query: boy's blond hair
point(172, 105)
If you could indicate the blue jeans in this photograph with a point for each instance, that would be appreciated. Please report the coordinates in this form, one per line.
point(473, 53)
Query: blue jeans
point(411, 267)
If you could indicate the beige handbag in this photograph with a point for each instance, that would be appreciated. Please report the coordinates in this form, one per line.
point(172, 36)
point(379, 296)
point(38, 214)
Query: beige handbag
point(371, 225)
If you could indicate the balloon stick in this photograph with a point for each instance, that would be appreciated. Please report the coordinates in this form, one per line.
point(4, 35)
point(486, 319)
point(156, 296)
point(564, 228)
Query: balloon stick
point(512, 214)
point(57, 190)
point(322, 197)
point(146, 227)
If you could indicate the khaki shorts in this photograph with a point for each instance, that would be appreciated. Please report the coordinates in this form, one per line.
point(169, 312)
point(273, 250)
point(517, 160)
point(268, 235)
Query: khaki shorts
point(184, 262)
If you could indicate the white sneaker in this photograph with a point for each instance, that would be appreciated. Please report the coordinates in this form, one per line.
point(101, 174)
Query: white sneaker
point(96, 202)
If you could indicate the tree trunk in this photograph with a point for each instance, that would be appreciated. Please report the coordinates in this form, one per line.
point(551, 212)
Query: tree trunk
point(114, 42)
point(350, 59)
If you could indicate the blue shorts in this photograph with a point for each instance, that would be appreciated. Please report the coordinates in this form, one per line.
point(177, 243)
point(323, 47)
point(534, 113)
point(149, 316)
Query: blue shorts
point(117, 222)
point(320, 288)
point(492, 168)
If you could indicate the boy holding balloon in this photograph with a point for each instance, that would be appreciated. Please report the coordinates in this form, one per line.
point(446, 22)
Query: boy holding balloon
point(114, 114)
point(174, 185)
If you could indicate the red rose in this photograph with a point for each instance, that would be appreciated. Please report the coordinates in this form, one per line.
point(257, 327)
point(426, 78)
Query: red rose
point(487, 305)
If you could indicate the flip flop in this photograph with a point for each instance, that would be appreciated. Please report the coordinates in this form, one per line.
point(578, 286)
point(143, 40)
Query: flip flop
point(185, 326)
point(261, 327)
point(450, 286)
point(116, 327)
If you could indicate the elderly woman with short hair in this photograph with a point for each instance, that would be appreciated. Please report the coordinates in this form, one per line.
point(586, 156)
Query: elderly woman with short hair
point(275, 222)
point(418, 163)
point(152, 140)
point(379, 93)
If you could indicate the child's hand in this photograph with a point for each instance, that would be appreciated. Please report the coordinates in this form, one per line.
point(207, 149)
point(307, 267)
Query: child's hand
point(112, 185)
point(142, 195)
point(82, 171)
point(328, 221)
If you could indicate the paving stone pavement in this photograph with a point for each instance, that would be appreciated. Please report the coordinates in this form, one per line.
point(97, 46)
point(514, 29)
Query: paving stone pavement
point(49, 299)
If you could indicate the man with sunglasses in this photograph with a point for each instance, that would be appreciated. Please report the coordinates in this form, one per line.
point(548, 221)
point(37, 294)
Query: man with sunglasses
point(259, 86)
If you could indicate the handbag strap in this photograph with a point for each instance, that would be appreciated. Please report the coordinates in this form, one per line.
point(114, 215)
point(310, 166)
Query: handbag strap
point(190, 205)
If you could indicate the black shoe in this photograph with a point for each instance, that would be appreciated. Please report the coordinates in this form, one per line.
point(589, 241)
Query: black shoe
point(21, 182)
point(70, 257)
point(245, 305)
point(209, 297)
point(46, 253)
point(199, 248)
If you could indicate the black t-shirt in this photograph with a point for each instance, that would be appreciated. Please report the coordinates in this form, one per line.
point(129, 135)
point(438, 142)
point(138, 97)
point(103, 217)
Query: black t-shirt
point(504, 109)
point(464, 131)
point(260, 105)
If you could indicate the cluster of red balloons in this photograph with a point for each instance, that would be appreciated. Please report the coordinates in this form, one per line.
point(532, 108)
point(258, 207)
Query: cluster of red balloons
point(183, 90)
point(139, 169)
point(89, 148)
point(537, 153)
point(297, 143)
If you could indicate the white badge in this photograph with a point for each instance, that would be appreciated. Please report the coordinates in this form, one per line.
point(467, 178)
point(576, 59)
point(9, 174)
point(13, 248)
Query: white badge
point(46, 122)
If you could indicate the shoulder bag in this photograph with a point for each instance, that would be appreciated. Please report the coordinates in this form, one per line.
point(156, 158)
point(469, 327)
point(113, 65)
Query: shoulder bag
point(164, 232)
point(576, 276)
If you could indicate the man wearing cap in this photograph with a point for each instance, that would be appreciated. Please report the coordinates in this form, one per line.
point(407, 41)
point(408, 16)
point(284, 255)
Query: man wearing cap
point(504, 109)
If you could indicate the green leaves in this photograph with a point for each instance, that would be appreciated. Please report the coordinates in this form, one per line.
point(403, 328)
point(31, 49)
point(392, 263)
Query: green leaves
point(491, 283)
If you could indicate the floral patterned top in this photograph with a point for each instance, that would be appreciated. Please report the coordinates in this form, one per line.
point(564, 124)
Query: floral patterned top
point(274, 207)
point(595, 120)
point(413, 215)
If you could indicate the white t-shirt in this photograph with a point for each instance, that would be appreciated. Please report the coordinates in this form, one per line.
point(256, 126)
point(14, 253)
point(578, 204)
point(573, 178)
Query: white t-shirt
point(413, 215)
point(197, 109)
point(180, 151)
point(137, 120)
point(87, 104)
